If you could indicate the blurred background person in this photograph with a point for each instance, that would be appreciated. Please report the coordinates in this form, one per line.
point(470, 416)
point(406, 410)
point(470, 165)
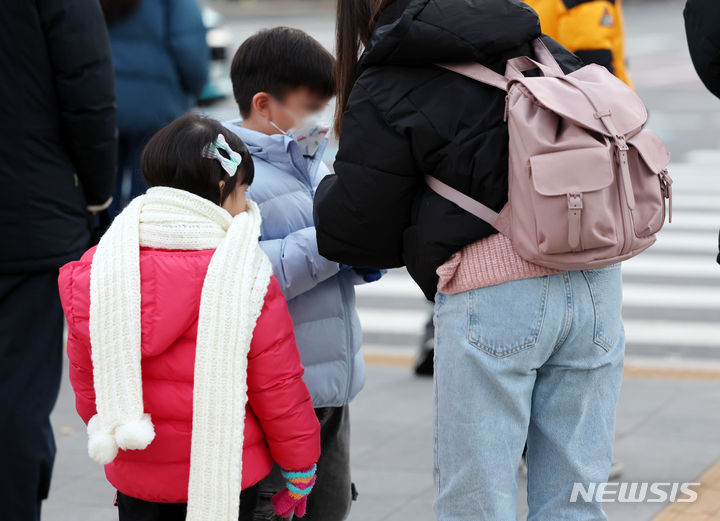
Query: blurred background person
point(702, 25)
point(57, 165)
point(161, 61)
point(592, 29)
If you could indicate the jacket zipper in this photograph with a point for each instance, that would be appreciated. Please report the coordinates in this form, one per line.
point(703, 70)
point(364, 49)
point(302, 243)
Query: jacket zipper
point(303, 168)
point(315, 165)
point(666, 187)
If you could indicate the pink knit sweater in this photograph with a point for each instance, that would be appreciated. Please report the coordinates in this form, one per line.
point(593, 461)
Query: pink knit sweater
point(487, 262)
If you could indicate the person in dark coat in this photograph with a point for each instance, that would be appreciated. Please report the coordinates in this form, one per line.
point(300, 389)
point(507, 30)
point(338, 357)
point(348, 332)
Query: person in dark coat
point(161, 61)
point(57, 161)
point(702, 25)
point(518, 356)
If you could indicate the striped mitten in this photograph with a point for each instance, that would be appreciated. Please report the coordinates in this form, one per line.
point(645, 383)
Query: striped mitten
point(293, 498)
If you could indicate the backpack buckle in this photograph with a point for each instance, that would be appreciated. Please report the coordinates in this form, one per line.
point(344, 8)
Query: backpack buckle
point(621, 143)
point(575, 201)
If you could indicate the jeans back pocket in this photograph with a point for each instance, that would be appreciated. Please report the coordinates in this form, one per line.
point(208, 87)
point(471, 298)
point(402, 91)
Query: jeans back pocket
point(506, 319)
point(606, 290)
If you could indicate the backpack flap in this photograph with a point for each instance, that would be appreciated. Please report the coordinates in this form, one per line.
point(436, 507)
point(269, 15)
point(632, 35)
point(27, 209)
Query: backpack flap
point(581, 204)
point(651, 181)
point(570, 98)
point(651, 149)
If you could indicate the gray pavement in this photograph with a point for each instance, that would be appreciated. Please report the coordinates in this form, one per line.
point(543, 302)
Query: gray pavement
point(667, 431)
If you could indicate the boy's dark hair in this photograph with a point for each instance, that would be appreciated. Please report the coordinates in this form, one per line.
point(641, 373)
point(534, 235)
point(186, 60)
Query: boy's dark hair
point(174, 157)
point(279, 60)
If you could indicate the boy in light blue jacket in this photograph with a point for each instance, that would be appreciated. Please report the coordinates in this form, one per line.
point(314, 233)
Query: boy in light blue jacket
point(282, 79)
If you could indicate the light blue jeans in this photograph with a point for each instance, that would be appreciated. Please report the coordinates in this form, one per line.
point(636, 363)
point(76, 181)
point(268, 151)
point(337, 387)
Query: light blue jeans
point(537, 360)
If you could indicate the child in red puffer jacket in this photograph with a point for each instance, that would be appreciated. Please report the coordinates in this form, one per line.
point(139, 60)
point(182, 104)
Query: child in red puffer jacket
point(182, 354)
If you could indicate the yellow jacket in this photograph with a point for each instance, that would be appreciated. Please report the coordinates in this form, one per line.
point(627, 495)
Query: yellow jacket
point(592, 29)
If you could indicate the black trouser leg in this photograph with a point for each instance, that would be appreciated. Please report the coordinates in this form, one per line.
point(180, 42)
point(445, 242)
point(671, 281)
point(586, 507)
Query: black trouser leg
point(132, 509)
point(31, 324)
point(332, 494)
point(425, 359)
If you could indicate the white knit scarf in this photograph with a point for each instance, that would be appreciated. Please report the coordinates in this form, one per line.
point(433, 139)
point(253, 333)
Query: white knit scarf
point(233, 293)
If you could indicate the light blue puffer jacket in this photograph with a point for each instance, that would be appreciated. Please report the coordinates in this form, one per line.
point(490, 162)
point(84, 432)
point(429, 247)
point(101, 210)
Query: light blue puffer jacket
point(321, 298)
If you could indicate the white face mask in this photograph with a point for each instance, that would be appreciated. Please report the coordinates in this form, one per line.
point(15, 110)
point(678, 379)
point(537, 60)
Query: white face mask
point(309, 133)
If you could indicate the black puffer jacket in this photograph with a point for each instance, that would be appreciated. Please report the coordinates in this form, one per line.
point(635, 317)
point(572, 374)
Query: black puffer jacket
point(57, 129)
point(407, 118)
point(702, 24)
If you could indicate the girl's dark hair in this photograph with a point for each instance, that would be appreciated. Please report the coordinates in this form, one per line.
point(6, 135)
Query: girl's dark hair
point(355, 22)
point(174, 157)
point(116, 10)
point(277, 61)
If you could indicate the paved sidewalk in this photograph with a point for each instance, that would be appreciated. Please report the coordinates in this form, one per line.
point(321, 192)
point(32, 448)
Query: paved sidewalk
point(667, 431)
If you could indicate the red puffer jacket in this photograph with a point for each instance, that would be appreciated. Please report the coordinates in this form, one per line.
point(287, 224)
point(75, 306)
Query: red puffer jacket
point(280, 423)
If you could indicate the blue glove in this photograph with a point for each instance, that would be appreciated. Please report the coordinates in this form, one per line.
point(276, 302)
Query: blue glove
point(345, 267)
point(369, 274)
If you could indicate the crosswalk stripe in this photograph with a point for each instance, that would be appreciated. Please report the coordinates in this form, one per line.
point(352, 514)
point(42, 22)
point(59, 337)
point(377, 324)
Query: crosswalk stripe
point(654, 333)
point(391, 286)
point(400, 284)
point(672, 266)
point(655, 296)
point(695, 220)
point(634, 294)
point(641, 332)
point(690, 239)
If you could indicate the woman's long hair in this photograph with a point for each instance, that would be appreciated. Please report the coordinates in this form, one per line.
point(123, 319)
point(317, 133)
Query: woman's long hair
point(116, 10)
point(355, 21)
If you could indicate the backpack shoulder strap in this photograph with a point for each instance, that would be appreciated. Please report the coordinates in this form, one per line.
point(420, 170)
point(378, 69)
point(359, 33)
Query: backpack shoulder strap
point(544, 56)
point(465, 202)
point(477, 72)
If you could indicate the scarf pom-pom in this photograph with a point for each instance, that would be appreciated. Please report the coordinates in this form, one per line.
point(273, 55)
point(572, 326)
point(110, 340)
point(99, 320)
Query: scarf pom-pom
point(102, 446)
point(135, 434)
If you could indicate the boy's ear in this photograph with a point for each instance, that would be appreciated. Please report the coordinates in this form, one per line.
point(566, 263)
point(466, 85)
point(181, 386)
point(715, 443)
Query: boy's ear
point(261, 104)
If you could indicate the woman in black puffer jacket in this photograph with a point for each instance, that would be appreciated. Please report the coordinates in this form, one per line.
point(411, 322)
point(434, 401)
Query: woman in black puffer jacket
point(530, 355)
point(455, 124)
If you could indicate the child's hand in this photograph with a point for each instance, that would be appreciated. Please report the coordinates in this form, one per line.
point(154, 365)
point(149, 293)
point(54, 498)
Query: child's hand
point(293, 498)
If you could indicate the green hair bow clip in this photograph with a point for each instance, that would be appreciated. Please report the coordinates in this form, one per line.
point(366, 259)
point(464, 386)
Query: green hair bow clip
point(230, 163)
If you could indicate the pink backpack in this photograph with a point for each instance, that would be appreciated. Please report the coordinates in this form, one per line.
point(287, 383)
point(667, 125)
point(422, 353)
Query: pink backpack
point(587, 184)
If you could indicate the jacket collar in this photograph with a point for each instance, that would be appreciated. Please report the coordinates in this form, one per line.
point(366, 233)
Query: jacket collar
point(273, 148)
point(279, 149)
